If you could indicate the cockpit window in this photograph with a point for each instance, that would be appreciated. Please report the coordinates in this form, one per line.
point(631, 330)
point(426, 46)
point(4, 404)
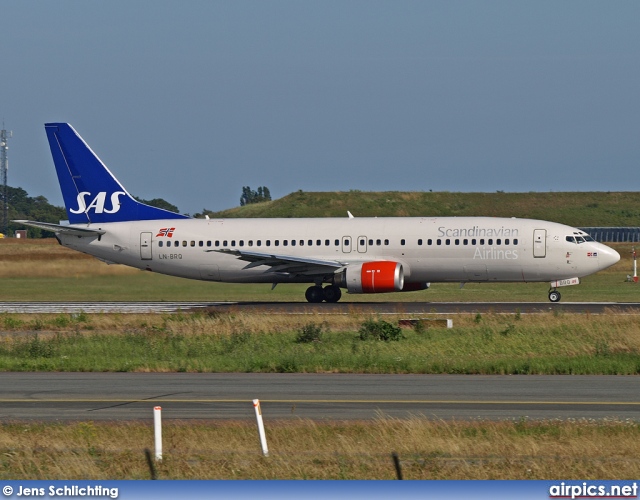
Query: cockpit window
point(571, 239)
point(579, 239)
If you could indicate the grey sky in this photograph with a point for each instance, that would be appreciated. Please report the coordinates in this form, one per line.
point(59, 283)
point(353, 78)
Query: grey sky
point(191, 100)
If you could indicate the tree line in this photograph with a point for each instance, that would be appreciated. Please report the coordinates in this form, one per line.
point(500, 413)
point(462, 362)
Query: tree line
point(21, 206)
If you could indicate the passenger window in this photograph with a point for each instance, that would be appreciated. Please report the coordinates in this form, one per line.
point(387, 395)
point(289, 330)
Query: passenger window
point(386, 242)
point(259, 243)
point(465, 242)
point(208, 243)
point(498, 241)
point(285, 243)
point(268, 243)
point(233, 243)
point(447, 242)
point(327, 243)
point(337, 243)
point(429, 242)
point(224, 243)
point(250, 243)
point(419, 242)
point(370, 243)
point(277, 243)
point(319, 242)
point(473, 241)
point(506, 241)
point(184, 243)
point(482, 241)
point(402, 242)
point(362, 242)
point(201, 243)
point(310, 242)
point(160, 243)
point(457, 242)
point(490, 242)
point(378, 242)
point(293, 243)
point(241, 243)
point(515, 241)
point(438, 242)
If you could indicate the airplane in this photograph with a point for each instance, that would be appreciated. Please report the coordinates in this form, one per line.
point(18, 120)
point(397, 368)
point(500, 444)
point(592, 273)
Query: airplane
point(360, 254)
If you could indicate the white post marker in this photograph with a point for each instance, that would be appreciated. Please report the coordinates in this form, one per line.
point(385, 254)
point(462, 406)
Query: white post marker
point(263, 437)
point(157, 428)
point(635, 266)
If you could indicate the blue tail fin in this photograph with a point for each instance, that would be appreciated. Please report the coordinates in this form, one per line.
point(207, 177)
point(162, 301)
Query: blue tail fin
point(91, 193)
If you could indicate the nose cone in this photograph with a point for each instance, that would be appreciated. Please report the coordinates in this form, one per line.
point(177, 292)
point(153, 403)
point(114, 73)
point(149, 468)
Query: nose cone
point(607, 257)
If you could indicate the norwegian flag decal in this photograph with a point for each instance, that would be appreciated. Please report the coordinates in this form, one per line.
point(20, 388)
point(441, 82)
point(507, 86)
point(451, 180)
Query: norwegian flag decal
point(166, 231)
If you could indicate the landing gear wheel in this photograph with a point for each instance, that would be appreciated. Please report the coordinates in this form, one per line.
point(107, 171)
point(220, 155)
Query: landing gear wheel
point(314, 294)
point(554, 296)
point(332, 293)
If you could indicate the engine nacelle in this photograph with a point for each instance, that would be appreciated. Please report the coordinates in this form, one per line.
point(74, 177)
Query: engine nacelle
point(372, 277)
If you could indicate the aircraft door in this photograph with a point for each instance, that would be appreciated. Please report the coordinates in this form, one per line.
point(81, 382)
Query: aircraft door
point(362, 244)
point(539, 243)
point(346, 244)
point(145, 246)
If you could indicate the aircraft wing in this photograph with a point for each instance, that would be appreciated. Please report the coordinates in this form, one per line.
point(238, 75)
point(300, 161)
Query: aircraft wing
point(284, 263)
point(57, 228)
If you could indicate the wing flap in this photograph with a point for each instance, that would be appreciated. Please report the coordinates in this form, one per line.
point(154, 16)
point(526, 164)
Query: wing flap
point(284, 263)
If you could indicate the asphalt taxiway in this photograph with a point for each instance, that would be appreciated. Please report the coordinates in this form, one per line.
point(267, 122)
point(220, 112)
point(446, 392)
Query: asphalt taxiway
point(132, 396)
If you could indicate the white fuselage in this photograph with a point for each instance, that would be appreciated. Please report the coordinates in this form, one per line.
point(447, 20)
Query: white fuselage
point(430, 249)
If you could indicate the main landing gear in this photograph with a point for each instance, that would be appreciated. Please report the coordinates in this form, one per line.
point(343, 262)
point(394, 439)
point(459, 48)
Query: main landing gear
point(316, 294)
point(554, 296)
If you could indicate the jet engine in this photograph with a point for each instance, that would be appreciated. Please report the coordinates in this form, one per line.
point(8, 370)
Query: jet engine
point(372, 277)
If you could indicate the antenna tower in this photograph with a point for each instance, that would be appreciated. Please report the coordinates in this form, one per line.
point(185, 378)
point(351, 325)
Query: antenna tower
point(4, 166)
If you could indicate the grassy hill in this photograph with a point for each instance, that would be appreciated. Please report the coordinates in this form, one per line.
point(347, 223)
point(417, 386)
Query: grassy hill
point(575, 209)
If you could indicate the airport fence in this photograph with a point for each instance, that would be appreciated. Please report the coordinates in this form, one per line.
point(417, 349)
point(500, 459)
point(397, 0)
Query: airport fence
point(613, 234)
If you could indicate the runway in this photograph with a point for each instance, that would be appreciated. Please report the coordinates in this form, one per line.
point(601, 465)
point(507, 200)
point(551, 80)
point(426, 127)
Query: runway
point(132, 396)
point(306, 308)
point(102, 307)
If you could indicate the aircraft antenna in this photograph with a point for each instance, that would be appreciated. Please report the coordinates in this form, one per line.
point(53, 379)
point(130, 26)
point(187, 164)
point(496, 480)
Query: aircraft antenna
point(4, 167)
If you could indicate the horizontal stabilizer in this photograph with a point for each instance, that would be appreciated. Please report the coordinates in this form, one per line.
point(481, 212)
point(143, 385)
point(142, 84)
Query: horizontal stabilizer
point(57, 228)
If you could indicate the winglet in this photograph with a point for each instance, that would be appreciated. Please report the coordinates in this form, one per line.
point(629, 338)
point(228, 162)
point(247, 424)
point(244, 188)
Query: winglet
point(350, 215)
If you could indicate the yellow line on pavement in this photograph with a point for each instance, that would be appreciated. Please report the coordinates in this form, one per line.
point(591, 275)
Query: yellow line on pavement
point(321, 401)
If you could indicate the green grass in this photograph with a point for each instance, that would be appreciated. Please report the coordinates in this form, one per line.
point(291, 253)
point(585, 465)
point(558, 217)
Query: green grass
point(148, 286)
point(574, 209)
point(490, 344)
